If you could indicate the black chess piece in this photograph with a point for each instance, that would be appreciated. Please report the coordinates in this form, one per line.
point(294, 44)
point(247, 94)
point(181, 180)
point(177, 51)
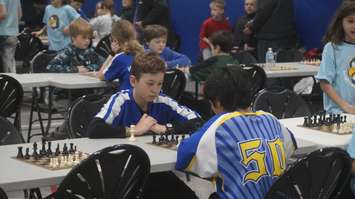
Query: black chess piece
point(74, 148)
point(305, 121)
point(57, 151)
point(35, 153)
point(177, 139)
point(19, 153)
point(65, 149)
point(71, 150)
point(161, 139)
point(49, 150)
point(27, 155)
point(344, 118)
point(154, 139)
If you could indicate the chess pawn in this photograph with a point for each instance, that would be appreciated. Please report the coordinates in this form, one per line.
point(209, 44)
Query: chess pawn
point(57, 151)
point(49, 150)
point(65, 149)
point(27, 155)
point(132, 132)
point(71, 150)
point(177, 139)
point(19, 153)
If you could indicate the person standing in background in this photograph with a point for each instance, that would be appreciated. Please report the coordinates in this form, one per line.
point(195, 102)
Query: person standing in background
point(274, 26)
point(10, 14)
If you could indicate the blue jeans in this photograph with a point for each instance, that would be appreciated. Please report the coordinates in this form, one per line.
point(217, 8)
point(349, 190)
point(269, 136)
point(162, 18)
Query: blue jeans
point(7, 53)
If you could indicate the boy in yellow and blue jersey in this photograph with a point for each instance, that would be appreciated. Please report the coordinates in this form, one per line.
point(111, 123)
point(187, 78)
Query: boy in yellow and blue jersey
point(242, 151)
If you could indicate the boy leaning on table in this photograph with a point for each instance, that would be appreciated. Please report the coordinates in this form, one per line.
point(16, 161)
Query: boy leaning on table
point(149, 110)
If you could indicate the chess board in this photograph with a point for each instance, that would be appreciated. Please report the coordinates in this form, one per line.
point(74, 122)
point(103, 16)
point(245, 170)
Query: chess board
point(167, 141)
point(314, 62)
point(328, 123)
point(54, 163)
point(281, 68)
point(342, 129)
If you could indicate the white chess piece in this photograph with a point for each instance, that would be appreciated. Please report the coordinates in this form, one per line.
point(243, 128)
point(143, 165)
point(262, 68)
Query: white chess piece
point(131, 130)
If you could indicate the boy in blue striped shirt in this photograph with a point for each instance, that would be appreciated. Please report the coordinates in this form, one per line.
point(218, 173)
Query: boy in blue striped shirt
point(242, 151)
point(143, 106)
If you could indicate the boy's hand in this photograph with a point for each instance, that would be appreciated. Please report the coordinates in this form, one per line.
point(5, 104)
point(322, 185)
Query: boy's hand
point(82, 69)
point(158, 129)
point(145, 124)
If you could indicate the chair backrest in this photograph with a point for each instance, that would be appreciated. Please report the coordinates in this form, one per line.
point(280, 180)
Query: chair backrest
point(289, 55)
point(322, 174)
point(81, 112)
point(118, 171)
point(27, 46)
point(41, 60)
point(103, 48)
point(8, 133)
point(282, 104)
point(11, 94)
point(257, 76)
point(3, 194)
point(244, 57)
point(174, 83)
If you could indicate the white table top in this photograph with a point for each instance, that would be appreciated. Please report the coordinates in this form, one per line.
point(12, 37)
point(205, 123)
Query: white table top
point(58, 80)
point(305, 136)
point(17, 175)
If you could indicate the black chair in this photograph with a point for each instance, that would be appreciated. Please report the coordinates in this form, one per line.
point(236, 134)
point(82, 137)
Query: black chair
point(39, 65)
point(257, 76)
point(289, 55)
point(8, 133)
point(81, 112)
point(27, 47)
point(118, 171)
point(3, 194)
point(103, 48)
point(11, 96)
point(174, 83)
point(321, 174)
point(244, 57)
point(282, 104)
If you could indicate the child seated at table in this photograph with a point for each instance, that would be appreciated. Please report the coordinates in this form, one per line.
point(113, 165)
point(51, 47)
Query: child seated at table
point(221, 43)
point(156, 37)
point(150, 111)
point(241, 150)
point(125, 46)
point(78, 56)
point(143, 106)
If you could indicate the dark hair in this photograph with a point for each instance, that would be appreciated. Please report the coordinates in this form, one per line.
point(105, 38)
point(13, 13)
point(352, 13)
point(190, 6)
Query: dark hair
point(223, 39)
point(335, 32)
point(147, 63)
point(230, 86)
point(154, 31)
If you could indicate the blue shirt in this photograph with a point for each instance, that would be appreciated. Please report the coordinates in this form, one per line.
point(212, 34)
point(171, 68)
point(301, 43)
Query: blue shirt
point(120, 68)
point(174, 59)
point(338, 69)
point(244, 153)
point(9, 26)
point(56, 19)
point(122, 110)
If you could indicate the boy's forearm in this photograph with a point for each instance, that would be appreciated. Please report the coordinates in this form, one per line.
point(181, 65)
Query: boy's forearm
point(99, 129)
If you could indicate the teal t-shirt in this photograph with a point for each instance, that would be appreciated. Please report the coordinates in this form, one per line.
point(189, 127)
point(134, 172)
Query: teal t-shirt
point(9, 26)
point(56, 19)
point(338, 68)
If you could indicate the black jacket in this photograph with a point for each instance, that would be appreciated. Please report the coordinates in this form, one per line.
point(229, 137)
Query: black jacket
point(153, 12)
point(240, 37)
point(274, 20)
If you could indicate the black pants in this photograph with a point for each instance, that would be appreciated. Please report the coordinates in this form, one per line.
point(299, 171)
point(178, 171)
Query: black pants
point(276, 45)
point(165, 185)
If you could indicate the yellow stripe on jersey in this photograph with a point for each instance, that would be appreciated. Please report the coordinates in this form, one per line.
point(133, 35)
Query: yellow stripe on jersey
point(237, 113)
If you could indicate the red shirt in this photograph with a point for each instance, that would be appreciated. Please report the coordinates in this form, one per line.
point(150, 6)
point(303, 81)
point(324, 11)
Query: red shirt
point(210, 26)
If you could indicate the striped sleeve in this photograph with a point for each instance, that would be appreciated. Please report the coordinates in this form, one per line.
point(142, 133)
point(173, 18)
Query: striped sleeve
point(178, 112)
point(192, 152)
point(113, 107)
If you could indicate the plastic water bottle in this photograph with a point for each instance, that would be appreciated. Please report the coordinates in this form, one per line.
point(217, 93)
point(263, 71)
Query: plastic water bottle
point(269, 58)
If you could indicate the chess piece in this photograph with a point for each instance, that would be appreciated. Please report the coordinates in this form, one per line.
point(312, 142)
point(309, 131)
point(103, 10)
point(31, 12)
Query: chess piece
point(19, 153)
point(49, 150)
point(132, 132)
point(27, 155)
point(71, 150)
point(65, 149)
point(43, 151)
point(75, 149)
point(154, 139)
point(35, 153)
point(177, 139)
point(57, 151)
point(161, 139)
